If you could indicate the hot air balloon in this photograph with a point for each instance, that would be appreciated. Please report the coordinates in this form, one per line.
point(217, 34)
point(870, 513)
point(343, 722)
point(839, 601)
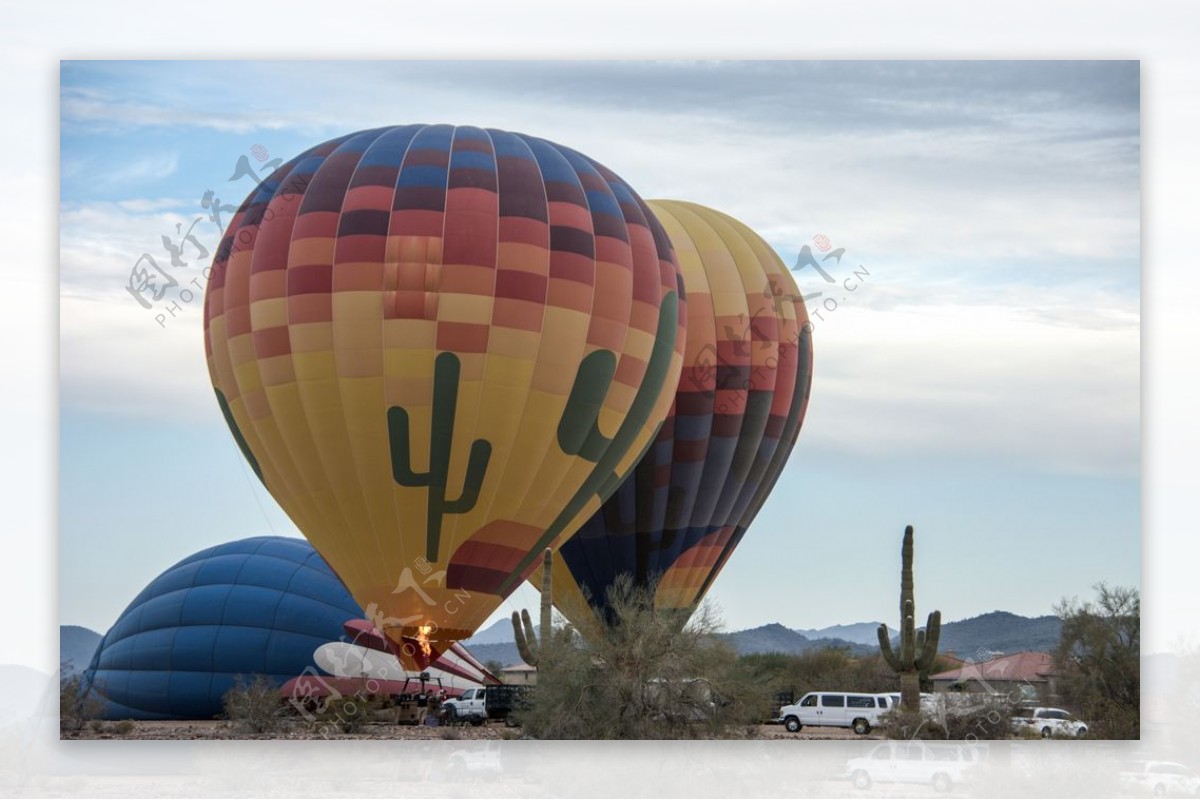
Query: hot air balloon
point(674, 522)
point(441, 348)
point(258, 606)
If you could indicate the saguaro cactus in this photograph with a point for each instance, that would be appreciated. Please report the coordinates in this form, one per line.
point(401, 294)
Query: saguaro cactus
point(445, 402)
point(918, 649)
point(528, 643)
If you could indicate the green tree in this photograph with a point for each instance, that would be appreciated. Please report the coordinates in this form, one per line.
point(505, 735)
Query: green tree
point(1098, 660)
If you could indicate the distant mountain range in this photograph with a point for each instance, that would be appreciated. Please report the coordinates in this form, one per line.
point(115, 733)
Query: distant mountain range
point(76, 646)
point(499, 632)
point(857, 632)
point(1000, 632)
point(994, 632)
point(775, 638)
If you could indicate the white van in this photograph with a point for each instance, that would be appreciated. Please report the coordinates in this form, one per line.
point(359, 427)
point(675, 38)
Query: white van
point(835, 709)
point(943, 765)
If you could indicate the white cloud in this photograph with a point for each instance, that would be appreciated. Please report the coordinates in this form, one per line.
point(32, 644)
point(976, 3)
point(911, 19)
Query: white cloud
point(116, 358)
point(977, 380)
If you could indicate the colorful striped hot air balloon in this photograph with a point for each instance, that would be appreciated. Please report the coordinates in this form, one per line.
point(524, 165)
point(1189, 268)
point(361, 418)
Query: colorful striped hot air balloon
point(441, 348)
point(741, 399)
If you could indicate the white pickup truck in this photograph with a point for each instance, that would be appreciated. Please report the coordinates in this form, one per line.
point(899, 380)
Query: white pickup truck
point(477, 706)
point(1048, 722)
point(471, 707)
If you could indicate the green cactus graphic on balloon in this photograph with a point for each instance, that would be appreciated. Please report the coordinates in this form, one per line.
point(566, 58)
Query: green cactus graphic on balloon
point(445, 400)
point(579, 431)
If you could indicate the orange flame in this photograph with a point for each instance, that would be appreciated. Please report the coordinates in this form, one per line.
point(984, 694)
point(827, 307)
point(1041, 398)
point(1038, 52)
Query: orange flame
point(423, 632)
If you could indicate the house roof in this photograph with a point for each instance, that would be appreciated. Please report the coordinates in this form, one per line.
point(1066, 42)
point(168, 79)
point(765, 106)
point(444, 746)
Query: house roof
point(519, 668)
point(948, 657)
point(1029, 666)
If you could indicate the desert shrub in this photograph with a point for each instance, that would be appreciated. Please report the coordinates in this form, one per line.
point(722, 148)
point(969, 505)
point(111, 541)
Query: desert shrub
point(645, 673)
point(446, 732)
point(990, 719)
point(347, 714)
point(124, 727)
point(77, 705)
point(254, 705)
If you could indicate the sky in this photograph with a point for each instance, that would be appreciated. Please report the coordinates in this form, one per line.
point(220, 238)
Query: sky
point(980, 381)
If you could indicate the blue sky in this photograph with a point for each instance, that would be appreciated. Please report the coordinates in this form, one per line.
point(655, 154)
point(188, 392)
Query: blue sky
point(980, 383)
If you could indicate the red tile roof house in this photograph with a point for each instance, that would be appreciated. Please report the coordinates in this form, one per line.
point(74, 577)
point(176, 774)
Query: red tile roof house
point(1024, 677)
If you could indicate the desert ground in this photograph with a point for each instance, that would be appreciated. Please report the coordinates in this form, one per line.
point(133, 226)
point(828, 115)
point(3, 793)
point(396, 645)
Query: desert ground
point(298, 729)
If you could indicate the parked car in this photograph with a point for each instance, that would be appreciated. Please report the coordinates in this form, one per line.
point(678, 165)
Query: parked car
point(942, 765)
point(1160, 779)
point(835, 709)
point(1048, 722)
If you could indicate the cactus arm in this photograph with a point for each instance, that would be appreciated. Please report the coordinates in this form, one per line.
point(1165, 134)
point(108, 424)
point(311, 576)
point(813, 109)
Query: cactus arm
point(446, 370)
point(401, 447)
point(885, 647)
point(933, 628)
point(477, 464)
point(518, 634)
point(523, 643)
point(931, 636)
point(579, 428)
point(525, 638)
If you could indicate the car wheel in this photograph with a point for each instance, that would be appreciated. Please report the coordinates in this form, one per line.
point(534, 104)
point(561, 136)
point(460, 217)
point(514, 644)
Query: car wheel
point(1045, 733)
point(792, 724)
point(862, 727)
point(861, 779)
point(451, 715)
point(477, 721)
point(941, 782)
point(1082, 731)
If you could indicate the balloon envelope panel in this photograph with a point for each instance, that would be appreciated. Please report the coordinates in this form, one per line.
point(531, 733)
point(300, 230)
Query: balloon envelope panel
point(441, 348)
point(259, 606)
point(738, 410)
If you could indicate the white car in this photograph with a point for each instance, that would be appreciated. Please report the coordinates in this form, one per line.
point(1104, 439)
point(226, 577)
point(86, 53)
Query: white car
point(941, 765)
point(1048, 722)
point(1160, 779)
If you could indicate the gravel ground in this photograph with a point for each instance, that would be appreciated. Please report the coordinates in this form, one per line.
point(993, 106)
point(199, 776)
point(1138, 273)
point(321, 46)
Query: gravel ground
point(296, 729)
